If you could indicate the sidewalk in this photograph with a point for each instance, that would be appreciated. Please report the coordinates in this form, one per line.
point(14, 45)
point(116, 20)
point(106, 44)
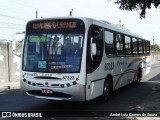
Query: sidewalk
point(9, 85)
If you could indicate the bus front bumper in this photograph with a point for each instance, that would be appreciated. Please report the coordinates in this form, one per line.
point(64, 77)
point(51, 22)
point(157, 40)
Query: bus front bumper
point(71, 93)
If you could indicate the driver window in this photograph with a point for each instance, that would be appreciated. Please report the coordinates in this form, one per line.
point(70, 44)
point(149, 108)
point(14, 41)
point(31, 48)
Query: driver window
point(95, 37)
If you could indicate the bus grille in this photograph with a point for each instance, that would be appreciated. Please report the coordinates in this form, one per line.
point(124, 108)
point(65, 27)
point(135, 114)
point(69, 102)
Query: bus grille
point(55, 94)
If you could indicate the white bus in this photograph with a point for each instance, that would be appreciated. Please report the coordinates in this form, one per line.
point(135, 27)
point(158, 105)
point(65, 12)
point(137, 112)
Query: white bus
point(79, 59)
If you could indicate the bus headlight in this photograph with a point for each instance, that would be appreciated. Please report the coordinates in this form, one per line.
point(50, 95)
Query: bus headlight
point(74, 82)
point(68, 85)
point(62, 85)
point(24, 80)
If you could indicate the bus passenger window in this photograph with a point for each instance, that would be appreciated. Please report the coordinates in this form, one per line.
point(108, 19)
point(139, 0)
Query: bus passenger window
point(144, 46)
point(134, 44)
point(127, 45)
point(147, 47)
point(119, 44)
point(109, 43)
point(140, 46)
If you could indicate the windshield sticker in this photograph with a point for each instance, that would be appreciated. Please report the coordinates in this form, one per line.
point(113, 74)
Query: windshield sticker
point(41, 64)
point(38, 38)
point(30, 57)
point(61, 67)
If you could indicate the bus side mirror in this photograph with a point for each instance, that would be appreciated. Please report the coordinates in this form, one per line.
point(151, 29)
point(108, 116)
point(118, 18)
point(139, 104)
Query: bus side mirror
point(93, 49)
point(16, 53)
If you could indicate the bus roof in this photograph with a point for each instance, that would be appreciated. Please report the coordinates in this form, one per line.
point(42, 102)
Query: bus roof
point(101, 23)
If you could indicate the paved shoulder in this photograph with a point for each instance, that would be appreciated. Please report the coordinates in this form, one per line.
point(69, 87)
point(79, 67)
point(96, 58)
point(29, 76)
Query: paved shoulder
point(9, 85)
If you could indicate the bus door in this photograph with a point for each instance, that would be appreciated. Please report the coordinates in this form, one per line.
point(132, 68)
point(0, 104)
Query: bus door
point(94, 65)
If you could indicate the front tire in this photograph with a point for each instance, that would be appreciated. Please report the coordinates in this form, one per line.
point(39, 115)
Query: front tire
point(107, 90)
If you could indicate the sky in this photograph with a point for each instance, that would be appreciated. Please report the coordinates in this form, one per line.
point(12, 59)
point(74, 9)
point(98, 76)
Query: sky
point(14, 15)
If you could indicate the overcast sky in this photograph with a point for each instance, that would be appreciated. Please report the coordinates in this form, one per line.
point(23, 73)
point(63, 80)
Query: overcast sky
point(14, 15)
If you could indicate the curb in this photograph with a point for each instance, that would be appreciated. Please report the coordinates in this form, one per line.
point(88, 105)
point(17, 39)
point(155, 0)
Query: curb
point(9, 85)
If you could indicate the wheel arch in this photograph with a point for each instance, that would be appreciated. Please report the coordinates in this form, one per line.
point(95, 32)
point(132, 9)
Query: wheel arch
point(109, 78)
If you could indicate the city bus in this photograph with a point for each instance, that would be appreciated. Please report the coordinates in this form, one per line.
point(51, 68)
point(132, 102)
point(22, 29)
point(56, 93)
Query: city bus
point(79, 59)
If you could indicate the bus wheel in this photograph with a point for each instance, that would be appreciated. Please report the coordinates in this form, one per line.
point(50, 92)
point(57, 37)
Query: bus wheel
point(107, 90)
point(139, 77)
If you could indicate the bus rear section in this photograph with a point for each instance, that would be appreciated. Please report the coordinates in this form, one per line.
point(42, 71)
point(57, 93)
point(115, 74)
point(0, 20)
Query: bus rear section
point(52, 59)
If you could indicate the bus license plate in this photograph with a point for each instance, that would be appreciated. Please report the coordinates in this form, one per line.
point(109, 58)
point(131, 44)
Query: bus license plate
point(47, 91)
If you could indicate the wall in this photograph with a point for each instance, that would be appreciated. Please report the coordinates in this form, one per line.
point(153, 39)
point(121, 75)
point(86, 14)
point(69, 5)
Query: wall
point(9, 63)
point(14, 61)
point(4, 48)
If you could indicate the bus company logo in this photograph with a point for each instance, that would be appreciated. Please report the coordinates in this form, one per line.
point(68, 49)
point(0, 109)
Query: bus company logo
point(31, 74)
point(6, 114)
point(121, 62)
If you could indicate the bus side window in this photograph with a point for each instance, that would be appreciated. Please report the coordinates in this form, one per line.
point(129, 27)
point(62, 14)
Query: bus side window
point(147, 47)
point(128, 46)
point(134, 46)
point(119, 44)
point(144, 46)
point(140, 46)
point(109, 43)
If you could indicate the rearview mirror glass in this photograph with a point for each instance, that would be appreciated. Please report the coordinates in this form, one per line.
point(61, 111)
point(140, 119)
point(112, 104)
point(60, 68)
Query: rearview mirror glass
point(93, 49)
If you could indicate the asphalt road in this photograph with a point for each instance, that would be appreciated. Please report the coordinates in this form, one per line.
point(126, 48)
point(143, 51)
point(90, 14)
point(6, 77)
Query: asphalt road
point(129, 98)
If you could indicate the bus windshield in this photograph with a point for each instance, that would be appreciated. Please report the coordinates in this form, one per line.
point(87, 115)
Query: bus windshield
point(56, 51)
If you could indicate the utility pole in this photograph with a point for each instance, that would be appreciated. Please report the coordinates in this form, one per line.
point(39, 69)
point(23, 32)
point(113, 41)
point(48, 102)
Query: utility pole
point(70, 13)
point(120, 23)
point(36, 14)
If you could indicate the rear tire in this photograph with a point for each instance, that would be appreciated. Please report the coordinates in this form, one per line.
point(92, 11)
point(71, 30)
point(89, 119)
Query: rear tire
point(139, 77)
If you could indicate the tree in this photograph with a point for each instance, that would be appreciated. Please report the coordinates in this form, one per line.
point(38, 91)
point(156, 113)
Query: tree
point(137, 5)
point(155, 47)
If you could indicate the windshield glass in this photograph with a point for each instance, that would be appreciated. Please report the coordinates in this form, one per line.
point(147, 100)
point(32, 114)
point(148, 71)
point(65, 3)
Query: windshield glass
point(56, 51)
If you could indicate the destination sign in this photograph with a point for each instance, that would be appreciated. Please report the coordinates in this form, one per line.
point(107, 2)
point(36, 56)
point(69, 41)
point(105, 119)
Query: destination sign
point(54, 25)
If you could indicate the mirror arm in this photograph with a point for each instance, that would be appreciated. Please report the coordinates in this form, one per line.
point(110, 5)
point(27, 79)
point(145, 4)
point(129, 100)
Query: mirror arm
point(17, 54)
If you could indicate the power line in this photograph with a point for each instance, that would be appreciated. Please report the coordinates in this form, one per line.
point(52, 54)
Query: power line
point(13, 17)
point(11, 26)
point(8, 23)
point(8, 27)
point(12, 9)
point(4, 34)
point(21, 4)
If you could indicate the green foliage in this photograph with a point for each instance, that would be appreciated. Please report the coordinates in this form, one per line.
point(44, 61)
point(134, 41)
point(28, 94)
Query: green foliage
point(155, 47)
point(137, 5)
